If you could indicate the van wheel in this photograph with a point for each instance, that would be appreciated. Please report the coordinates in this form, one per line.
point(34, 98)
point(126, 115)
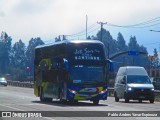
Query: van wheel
point(95, 102)
point(151, 100)
point(116, 98)
point(126, 98)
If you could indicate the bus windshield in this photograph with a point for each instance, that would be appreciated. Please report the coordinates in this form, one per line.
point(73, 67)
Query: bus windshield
point(86, 74)
point(137, 79)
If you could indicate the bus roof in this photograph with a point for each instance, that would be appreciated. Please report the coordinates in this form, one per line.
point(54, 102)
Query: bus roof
point(70, 41)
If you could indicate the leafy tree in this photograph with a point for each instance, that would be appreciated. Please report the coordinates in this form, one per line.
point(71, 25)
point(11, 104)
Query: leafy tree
point(5, 48)
point(155, 53)
point(30, 52)
point(140, 60)
point(18, 59)
point(121, 43)
point(121, 46)
point(156, 60)
point(133, 45)
point(109, 42)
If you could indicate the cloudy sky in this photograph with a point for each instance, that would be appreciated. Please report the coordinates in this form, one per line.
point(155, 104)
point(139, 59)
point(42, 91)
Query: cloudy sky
point(23, 19)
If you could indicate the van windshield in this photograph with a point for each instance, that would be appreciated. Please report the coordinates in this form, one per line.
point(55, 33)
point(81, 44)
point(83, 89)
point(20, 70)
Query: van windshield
point(138, 79)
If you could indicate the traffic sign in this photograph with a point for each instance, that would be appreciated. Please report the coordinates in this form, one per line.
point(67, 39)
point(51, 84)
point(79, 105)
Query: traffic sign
point(133, 53)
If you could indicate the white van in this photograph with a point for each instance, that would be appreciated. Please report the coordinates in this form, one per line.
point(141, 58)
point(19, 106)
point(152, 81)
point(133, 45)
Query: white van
point(133, 82)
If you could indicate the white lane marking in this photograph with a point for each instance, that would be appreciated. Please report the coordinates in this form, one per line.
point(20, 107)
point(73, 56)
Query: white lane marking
point(12, 107)
point(49, 118)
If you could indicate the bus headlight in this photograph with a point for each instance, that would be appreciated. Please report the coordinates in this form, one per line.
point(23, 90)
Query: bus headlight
point(129, 89)
point(152, 89)
point(72, 91)
point(103, 91)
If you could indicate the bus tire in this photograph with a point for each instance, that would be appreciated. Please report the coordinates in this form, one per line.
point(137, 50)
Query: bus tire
point(60, 97)
point(151, 100)
point(95, 102)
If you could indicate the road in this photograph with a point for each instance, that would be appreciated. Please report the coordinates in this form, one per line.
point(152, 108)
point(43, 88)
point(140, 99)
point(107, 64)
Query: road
point(23, 99)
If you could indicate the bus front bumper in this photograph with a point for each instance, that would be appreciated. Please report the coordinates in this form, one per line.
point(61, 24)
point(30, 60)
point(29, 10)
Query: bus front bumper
point(87, 96)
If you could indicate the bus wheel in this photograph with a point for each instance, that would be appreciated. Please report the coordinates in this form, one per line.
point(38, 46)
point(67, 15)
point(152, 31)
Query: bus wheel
point(151, 100)
point(140, 101)
point(61, 99)
point(95, 102)
point(116, 98)
point(42, 97)
point(73, 101)
point(126, 100)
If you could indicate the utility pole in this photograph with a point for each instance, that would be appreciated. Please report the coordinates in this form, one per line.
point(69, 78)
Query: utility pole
point(101, 23)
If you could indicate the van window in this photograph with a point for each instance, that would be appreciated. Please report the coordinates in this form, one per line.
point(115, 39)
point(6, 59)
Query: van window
point(138, 79)
point(119, 79)
point(124, 79)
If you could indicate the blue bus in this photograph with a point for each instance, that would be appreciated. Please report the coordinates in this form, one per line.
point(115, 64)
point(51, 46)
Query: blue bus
point(71, 70)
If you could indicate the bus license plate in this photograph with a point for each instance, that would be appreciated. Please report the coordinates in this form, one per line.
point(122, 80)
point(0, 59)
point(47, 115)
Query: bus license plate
point(141, 97)
point(86, 96)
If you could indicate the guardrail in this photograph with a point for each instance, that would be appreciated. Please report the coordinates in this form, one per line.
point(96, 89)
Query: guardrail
point(20, 84)
point(29, 84)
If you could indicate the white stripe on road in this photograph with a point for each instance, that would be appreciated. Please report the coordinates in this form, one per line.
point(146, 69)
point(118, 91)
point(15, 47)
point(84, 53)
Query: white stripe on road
point(12, 107)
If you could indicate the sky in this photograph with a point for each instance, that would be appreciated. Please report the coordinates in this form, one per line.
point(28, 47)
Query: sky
point(24, 19)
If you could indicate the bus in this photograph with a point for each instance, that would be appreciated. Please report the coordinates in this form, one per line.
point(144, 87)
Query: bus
point(71, 70)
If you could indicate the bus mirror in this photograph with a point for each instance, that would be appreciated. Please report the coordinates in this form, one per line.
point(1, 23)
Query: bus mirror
point(110, 65)
point(66, 64)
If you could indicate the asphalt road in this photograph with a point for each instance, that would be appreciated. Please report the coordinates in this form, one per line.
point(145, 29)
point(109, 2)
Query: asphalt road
point(23, 99)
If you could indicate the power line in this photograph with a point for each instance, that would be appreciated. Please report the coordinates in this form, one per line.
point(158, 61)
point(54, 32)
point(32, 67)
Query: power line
point(83, 33)
point(75, 34)
point(78, 35)
point(145, 24)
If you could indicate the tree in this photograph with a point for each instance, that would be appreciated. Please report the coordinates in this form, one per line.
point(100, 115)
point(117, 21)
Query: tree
point(133, 45)
point(121, 46)
point(18, 59)
point(30, 52)
point(109, 42)
point(5, 48)
point(121, 43)
point(140, 60)
point(155, 62)
point(155, 52)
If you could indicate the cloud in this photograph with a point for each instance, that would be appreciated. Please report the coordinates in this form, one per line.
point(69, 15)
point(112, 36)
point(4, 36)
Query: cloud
point(24, 19)
point(2, 14)
point(31, 6)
